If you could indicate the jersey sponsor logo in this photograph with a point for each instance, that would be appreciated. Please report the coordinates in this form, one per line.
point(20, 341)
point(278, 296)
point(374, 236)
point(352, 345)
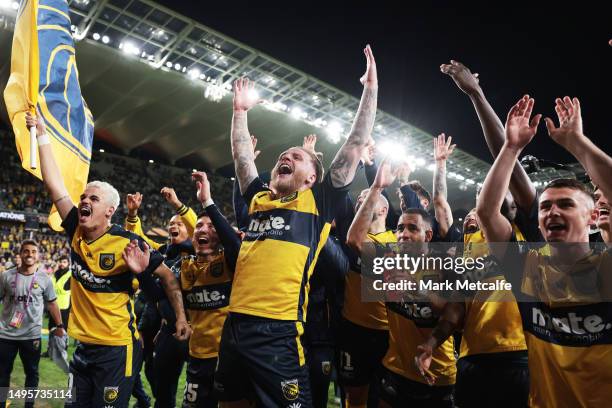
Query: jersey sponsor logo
point(209, 297)
point(273, 225)
point(21, 299)
point(107, 261)
point(88, 278)
point(582, 325)
point(326, 367)
point(111, 394)
point(291, 389)
point(420, 313)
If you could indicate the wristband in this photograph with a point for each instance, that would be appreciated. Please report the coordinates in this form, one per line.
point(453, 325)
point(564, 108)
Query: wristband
point(208, 203)
point(59, 326)
point(43, 140)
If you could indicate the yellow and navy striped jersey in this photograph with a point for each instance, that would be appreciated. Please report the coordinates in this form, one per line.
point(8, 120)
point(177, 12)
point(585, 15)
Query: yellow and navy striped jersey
point(492, 320)
point(280, 249)
point(102, 310)
point(206, 291)
point(569, 341)
point(372, 315)
point(410, 325)
point(188, 216)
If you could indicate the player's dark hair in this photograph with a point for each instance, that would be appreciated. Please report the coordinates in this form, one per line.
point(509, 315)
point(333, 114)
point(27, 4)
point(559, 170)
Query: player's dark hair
point(570, 183)
point(419, 211)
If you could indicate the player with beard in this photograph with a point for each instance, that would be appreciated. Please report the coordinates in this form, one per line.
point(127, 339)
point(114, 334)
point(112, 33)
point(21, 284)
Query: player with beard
point(603, 215)
point(402, 383)
point(105, 258)
point(206, 282)
point(569, 356)
point(289, 223)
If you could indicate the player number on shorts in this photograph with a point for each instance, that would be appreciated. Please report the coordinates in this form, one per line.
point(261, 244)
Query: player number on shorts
point(191, 392)
point(346, 361)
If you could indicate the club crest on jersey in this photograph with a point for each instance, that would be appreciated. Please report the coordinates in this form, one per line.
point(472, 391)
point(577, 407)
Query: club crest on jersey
point(288, 198)
point(216, 269)
point(107, 261)
point(111, 394)
point(291, 389)
point(326, 367)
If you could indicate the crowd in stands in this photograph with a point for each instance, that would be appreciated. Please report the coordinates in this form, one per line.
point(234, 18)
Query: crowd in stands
point(20, 191)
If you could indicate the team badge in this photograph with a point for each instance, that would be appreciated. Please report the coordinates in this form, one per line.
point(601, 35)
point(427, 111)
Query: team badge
point(216, 269)
point(111, 394)
point(107, 261)
point(291, 389)
point(326, 367)
point(288, 198)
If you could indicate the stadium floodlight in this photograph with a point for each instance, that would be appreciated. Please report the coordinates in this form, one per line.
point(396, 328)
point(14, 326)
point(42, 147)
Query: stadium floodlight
point(5, 4)
point(297, 113)
point(129, 48)
point(101, 150)
point(194, 170)
point(459, 177)
point(334, 131)
point(105, 39)
point(419, 161)
point(232, 178)
point(159, 33)
point(169, 64)
point(96, 36)
point(15, 5)
point(392, 150)
point(194, 73)
point(470, 181)
point(177, 66)
point(151, 161)
point(82, 2)
point(431, 167)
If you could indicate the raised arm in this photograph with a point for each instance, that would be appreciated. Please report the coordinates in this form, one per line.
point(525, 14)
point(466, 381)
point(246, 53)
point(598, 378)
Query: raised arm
point(519, 132)
point(188, 216)
point(344, 165)
point(520, 185)
point(443, 211)
point(242, 146)
point(228, 237)
point(569, 134)
point(358, 231)
point(52, 177)
point(132, 221)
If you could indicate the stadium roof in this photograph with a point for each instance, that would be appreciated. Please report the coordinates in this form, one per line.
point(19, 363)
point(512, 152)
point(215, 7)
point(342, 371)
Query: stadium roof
point(158, 84)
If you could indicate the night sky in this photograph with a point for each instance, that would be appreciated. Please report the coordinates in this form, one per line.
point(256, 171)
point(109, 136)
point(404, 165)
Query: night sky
point(517, 49)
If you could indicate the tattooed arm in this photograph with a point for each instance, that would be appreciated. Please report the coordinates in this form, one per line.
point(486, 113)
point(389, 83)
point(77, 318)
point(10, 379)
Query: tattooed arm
point(342, 170)
point(358, 232)
point(443, 212)
point(242, 145)
point(173, 293)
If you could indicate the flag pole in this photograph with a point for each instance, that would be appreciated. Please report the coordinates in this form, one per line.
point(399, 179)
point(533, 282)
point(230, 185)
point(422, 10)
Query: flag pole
point(33, 147)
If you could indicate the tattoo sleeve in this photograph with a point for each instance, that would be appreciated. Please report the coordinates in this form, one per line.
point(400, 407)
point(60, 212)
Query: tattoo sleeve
point(342, 170)
point(173, 293)
point(358, 230)
point(242, 151)
point(442, 209)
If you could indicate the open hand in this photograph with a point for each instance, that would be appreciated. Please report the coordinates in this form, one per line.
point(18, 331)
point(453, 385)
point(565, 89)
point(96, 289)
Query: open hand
point(570, 121)
point(135, 258)
point(386, 174)
point(243, 95)
point(310, 142)
point(519, 128)
point(442, 147)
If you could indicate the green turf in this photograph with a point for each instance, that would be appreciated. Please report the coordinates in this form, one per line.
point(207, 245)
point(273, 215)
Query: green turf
point(52, 377)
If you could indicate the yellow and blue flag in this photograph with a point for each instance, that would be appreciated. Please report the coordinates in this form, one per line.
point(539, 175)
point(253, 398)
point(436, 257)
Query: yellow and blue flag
point(44, 75)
